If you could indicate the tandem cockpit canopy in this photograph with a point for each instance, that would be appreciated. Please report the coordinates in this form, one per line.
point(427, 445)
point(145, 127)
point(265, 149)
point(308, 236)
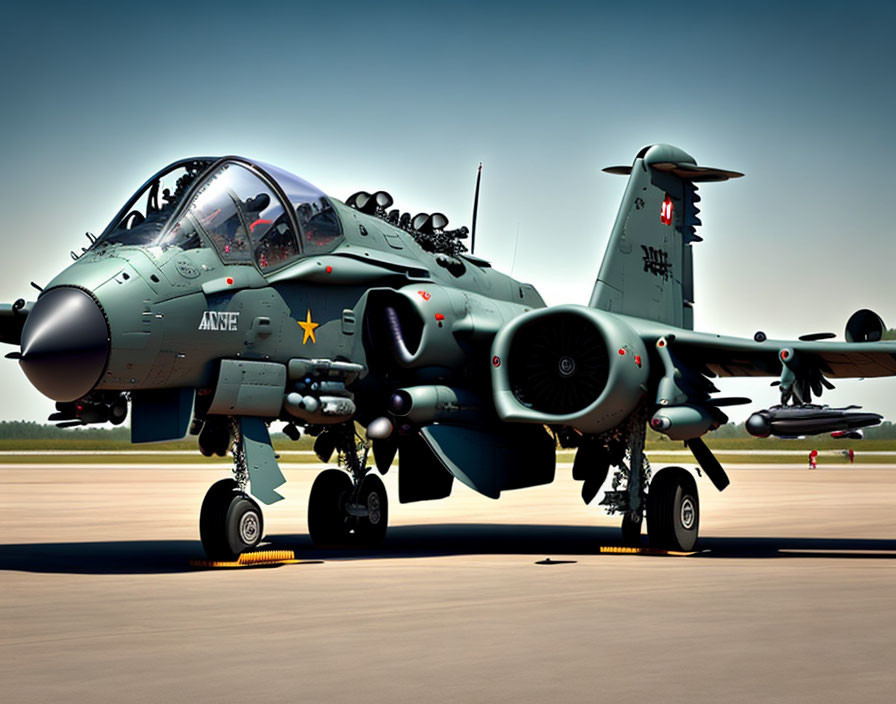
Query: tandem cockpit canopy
point(248, 212)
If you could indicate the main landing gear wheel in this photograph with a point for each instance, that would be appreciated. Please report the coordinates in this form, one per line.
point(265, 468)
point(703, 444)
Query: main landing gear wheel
point(631, 530)
point(338, 515)
point(229, 522)
point(673, 510)
point(328, 521)
point(370, 530)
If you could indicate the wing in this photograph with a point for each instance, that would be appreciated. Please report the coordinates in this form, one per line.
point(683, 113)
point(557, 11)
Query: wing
point(733, 356)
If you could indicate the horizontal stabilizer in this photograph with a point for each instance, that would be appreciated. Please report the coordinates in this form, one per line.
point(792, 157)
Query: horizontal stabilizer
point(688, 172)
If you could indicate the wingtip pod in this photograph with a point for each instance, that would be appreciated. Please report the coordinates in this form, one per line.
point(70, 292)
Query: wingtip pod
point(665, 157)
point(864, 326)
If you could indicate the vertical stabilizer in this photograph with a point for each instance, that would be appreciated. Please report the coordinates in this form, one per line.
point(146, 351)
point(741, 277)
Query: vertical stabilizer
point(647, 271)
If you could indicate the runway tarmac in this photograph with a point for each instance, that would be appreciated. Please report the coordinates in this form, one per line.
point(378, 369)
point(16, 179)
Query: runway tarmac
point(792, 601)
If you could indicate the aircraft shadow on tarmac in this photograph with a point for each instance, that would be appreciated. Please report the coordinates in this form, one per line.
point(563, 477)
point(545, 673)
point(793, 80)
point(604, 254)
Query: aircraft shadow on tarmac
point(415, 541)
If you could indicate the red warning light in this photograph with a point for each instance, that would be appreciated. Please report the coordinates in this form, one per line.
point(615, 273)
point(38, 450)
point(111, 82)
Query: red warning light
point(621, 351)
point(229, 281)
point(329, 269)
point(439, 316)
point(496, 361)
point(666, 211)
point(784, 354)
point(638, 359)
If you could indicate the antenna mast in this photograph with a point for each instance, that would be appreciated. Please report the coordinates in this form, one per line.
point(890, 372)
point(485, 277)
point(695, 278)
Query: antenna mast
point(475, 209)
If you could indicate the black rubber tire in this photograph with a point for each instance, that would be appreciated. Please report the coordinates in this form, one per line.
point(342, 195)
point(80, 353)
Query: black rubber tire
point(371, 530)
point(224, 527)
point(244, 525)
point(673, 510)
point(631, 531)
point(328, 523)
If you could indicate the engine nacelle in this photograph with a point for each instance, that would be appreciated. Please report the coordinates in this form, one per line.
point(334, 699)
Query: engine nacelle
point(568, 365)
point(864, 326)
point(427, 325)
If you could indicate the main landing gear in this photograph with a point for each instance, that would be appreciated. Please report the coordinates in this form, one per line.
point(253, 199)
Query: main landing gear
point(673, 513)
point(673, 510)
point(347, 508)
point(671, 505)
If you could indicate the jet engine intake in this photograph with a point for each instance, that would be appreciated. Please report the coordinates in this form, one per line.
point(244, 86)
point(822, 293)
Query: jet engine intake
point(413, 327)
point(568, 365)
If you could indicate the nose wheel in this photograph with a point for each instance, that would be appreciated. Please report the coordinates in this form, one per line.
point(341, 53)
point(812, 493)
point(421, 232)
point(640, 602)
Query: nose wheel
point(229, 522)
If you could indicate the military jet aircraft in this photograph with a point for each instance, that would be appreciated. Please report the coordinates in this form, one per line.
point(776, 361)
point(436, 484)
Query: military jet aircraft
point(228, 293)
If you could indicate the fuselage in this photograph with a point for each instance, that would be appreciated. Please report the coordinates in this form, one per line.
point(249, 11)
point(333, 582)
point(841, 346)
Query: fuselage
point(240, 260)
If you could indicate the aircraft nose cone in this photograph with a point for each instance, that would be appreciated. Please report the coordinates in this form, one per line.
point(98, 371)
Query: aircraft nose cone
point(65, 344)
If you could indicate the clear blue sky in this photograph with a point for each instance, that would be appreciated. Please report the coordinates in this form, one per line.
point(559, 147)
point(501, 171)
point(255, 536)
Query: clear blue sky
point(408, 97)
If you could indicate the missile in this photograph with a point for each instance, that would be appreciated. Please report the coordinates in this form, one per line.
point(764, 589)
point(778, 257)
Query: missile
point(422, 405)
point(791, 421)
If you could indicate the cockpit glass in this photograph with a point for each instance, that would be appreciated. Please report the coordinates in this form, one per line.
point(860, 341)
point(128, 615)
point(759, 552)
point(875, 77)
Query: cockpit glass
point(233, 209)
point(243, 218)
point(150, 210)
point(318, 222)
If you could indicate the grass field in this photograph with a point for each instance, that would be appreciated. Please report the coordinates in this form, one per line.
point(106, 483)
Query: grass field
point(728, 451)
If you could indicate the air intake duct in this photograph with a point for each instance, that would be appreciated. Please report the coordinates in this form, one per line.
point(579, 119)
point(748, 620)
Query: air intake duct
point(568, 365)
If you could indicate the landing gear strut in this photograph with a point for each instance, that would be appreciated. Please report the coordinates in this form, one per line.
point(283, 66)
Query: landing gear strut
point(348, 507)
point(229, 522)
point(631, 529)
point(628, 495)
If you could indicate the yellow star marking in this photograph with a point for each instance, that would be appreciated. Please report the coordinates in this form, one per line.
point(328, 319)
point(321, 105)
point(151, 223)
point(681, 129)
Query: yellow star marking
point(308, 327)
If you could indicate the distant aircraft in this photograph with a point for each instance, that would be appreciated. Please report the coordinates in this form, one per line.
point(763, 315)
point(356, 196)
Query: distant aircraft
point(228, 293)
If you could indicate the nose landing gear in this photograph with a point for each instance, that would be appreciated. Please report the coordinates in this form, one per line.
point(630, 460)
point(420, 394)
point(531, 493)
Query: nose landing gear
point(229, 521)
